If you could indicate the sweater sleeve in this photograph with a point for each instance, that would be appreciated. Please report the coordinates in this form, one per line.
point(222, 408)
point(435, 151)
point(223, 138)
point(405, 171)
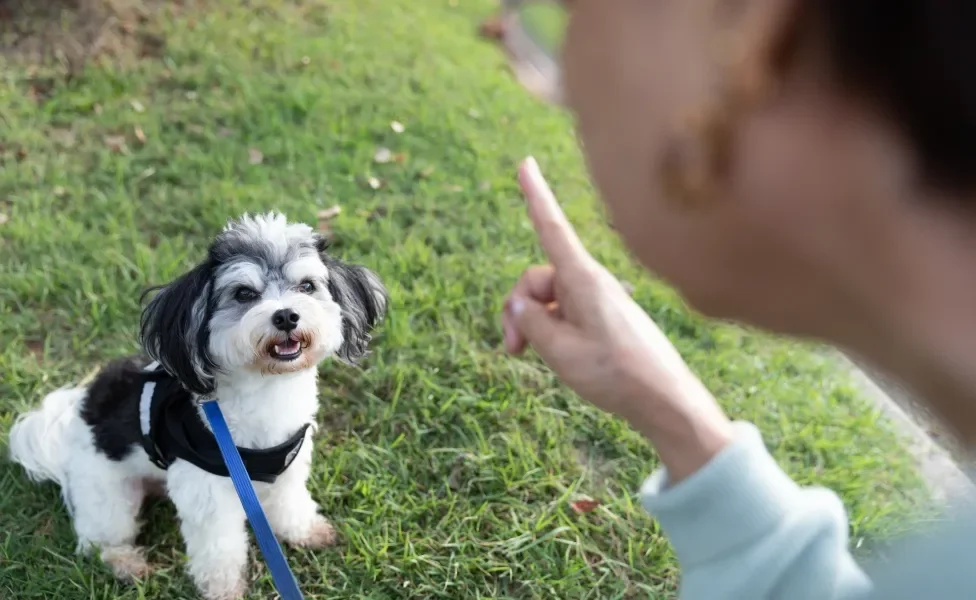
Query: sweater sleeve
point(741, 528)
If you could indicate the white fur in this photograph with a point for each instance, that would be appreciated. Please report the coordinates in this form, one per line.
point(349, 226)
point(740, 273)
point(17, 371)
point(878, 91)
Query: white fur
point(262, 410)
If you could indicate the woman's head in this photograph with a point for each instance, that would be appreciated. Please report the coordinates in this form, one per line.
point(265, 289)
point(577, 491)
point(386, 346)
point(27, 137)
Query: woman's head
point(768, 156)
point(809, 167)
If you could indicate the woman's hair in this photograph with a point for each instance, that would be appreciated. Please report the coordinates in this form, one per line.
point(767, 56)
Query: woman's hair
point(916, 59)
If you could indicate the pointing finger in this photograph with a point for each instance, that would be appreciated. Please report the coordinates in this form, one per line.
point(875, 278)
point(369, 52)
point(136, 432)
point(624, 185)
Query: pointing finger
point(556, 235)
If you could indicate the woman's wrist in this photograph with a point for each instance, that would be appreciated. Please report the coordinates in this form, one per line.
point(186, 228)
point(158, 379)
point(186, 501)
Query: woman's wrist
point(687, 428)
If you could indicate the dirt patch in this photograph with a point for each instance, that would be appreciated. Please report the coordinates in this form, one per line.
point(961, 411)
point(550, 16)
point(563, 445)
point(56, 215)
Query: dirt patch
point(71, 33)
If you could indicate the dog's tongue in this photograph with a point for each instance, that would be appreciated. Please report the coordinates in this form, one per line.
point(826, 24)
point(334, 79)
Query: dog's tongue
point(287, 347)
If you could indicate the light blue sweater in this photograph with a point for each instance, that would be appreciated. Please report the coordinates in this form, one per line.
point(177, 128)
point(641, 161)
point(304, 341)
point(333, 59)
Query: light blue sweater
point(742, 529)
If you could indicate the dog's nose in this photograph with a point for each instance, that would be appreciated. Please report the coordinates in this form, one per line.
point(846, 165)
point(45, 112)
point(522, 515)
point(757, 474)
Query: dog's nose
point(285, 319)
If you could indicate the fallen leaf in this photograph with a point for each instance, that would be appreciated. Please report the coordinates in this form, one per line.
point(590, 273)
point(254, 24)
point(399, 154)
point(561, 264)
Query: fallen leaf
point(382, 155)
point(492, 29)
point(21, 153)
point(140, 135)
point(377, 213)
point(255, 156)
point(116, 143)
point(374, 183)
point(397, 127)
point(137, 106)
point(63, 136)
point(329, 213)
point(46, 528)
point(35, 347)
point(4, 218)
point(584, 506)
point(425, 172)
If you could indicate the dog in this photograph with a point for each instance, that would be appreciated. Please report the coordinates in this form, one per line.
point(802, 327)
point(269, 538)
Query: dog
point(246, 327)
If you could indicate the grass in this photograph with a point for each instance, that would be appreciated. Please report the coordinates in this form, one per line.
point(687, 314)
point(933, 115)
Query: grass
point(448, 467)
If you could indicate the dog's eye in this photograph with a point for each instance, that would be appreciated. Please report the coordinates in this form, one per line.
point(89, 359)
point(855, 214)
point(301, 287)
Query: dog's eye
point(307, 287)
point(245, 295)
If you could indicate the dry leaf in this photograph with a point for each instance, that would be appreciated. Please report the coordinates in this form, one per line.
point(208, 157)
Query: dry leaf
point(425, 172)
point(329, 213)
point(63, 136)
point(116, 143)
point(374, 183)
point(584, 506)
point(492, 29)
point(21, 153)
point(4, 218)
point(255, 156)
point(140, 135)
point(397, 127)
point(377, 213)
point(137, 106)
point(35, 347)
point(382, 155)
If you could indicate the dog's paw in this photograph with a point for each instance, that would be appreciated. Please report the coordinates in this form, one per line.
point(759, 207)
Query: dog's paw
point(128, 563)
point(319, 535)
point(235, 593)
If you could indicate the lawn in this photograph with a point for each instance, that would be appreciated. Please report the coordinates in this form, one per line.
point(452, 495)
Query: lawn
point(448, 467)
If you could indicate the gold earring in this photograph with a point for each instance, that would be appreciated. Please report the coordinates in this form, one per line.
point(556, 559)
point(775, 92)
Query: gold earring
point(699, 155)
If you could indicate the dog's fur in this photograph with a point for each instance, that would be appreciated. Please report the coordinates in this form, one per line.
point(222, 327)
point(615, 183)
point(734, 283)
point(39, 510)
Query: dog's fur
point(219, 342)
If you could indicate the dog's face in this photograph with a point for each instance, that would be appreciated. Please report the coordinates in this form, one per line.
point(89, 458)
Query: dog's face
point(268, 299)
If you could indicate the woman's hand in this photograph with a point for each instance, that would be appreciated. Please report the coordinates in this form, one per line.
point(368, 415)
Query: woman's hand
point(581, 321)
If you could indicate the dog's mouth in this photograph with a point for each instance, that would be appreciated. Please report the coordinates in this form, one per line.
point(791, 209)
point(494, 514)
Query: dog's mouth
point(288, 349)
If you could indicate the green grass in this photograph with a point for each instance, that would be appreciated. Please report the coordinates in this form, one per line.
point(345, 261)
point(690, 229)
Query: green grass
point(447, 466)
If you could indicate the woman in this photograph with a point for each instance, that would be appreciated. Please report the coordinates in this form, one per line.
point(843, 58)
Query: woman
point(807, 167)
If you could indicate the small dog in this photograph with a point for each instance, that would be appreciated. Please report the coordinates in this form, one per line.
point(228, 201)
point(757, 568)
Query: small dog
point(247, 326)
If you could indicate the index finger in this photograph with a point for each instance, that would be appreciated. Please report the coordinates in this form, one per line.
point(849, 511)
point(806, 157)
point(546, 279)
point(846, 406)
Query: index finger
point(556, 235)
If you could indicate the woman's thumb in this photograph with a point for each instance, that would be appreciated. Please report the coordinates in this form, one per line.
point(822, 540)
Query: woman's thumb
point(540, 328)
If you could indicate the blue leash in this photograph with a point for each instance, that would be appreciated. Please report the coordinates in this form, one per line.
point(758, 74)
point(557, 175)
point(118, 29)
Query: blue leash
point(281, 574)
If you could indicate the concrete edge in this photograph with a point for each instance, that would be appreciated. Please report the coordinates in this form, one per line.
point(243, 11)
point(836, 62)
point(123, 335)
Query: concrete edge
point(948, 483)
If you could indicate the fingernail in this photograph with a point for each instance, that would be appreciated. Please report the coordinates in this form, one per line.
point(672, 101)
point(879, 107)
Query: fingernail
point(531, 167)
point(517, 305)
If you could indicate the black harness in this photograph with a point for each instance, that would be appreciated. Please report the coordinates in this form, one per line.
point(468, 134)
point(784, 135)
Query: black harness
point(173, 429)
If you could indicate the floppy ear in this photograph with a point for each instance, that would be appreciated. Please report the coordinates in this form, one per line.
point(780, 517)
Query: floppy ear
point(363, 299)
point(174, 329)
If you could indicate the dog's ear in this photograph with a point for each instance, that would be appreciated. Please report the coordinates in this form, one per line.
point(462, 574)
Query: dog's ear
point(363, 299)
point(174, 329)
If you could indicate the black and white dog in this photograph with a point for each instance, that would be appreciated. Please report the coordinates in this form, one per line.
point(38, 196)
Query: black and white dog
point(247, 326)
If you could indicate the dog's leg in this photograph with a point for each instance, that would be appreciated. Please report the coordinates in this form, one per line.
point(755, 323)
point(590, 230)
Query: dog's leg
point(293, 514)
point(212, 523)
point(105, 501)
